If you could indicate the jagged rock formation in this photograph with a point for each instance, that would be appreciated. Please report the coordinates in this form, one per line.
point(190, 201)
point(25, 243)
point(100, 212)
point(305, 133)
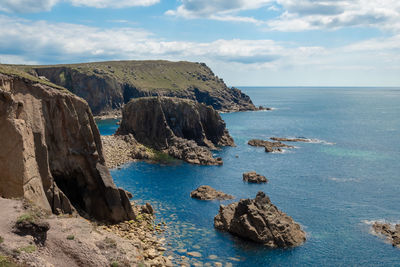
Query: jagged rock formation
point(182, 128)
point(253, 177)
point(260, 221)
point(269, 146)
point(51, 152)
point(106, 86)
point(206, 192)
point(391, 232)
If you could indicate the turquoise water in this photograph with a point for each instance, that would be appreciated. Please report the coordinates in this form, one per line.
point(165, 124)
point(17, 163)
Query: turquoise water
point(331, 187)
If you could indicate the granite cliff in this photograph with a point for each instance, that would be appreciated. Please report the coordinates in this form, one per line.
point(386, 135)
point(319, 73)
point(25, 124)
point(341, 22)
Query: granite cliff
point(51, 153)
point(182, 128)
point(107, 86)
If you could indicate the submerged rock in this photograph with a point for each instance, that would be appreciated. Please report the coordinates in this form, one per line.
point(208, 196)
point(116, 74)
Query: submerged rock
point(54, 152)
point(391, 232)
point(260, 221)
point(269, 146)
point(206, 192)
point(182, 128)
point(253, 177)
point(282, 139)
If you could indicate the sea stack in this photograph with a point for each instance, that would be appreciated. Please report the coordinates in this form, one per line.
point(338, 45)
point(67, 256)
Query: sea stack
point(260, 221)
point(53, 151)
point(182, 128)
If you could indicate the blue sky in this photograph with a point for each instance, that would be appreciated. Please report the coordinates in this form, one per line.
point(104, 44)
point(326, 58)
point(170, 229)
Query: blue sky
point(247, 42)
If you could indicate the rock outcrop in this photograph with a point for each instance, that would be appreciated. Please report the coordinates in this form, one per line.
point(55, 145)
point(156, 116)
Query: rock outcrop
point(269, 146)
point(391, 232)
point(106, 86)
point(182, 128)
point(260, 221)
point(206, 192)
point(51, 153)
point(253, 177)
point(283, 139)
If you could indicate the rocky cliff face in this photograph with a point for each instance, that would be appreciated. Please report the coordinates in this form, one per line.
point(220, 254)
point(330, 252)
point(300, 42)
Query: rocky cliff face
point(106, 86)
point(260, 221)
point(51, 152)
point(184, 128)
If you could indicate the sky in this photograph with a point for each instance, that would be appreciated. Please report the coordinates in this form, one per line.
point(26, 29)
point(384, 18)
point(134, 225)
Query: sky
point(246, 42)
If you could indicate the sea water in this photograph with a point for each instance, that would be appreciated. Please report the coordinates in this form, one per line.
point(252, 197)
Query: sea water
point(334, 186)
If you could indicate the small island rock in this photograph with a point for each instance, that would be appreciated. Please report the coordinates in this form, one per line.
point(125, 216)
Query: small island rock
point(253, 177)
point(269, 146)
point(391, 232)
point(282, 139)
point(260, 221)
point(206, 192)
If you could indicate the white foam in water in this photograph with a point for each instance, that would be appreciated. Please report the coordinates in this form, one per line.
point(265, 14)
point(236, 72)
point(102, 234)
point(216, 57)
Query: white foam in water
point(319, 141)
point(344, 180)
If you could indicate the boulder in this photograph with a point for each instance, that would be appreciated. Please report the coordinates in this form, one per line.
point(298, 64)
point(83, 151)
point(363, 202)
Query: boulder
point(53, 152)
point(391, 232)
point(253, 177)
point(206, 192)
point(269, 146)
point(182, 128)
point(260, 221)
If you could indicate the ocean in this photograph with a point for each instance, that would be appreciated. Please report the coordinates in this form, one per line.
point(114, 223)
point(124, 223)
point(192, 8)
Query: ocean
point(334, 187)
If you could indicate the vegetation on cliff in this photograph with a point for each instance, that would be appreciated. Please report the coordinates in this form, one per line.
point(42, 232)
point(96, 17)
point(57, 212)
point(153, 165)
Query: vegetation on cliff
point(106, 86)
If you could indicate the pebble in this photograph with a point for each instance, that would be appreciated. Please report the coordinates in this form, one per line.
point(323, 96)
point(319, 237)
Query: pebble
point(194, 254)
point(213, 257)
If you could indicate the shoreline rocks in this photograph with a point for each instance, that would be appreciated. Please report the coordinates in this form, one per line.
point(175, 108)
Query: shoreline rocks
point(206, 192)
point(260, 221)
point(182, 128)
point(269, 146)
point(391, 232)
point(253, 177)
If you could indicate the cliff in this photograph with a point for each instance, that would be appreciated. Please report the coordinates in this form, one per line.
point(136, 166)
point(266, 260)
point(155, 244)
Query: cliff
point(51, 153)
point(183, 128)
point(106, 86)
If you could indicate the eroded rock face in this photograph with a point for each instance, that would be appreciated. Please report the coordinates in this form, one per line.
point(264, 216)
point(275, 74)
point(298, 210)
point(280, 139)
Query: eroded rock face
point(206, 192)
point(260, 221)
point(52, 154)
point(269, 146)
point(183, 128)
point(391, 232)
point(253, 177)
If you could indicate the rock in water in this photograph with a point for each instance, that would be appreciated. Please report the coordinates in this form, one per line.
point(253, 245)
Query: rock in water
point(183, 128)
point(290, 139)
point(269, 146)
point(253, 177)
point(260, 221)
point(206, 192)
point(52, 153)
point(391, 232)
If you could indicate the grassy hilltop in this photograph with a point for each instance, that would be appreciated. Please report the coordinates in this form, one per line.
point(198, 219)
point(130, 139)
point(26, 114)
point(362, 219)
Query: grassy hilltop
point(107, 86)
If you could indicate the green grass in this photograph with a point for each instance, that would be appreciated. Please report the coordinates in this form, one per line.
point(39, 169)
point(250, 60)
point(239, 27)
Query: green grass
point(17, 71)
point(29, 217)
point(28, 249)
point(159, 156)
point(7, 262)
point(114, 264)
point(1, 239)
point(146, 75)
point(70, 237)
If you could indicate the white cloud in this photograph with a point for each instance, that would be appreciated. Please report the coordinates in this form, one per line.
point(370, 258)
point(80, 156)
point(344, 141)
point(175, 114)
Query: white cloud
point(252, 62)
point(303, 15)
point(29, 6)
point(26, 6)
point(223, 10)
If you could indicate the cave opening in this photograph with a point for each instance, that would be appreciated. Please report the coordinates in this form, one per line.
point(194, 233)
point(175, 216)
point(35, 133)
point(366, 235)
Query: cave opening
point(73, 189)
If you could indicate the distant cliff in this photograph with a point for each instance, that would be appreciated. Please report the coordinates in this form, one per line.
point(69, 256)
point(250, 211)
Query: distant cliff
point(51, 151)
point(106, 86)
